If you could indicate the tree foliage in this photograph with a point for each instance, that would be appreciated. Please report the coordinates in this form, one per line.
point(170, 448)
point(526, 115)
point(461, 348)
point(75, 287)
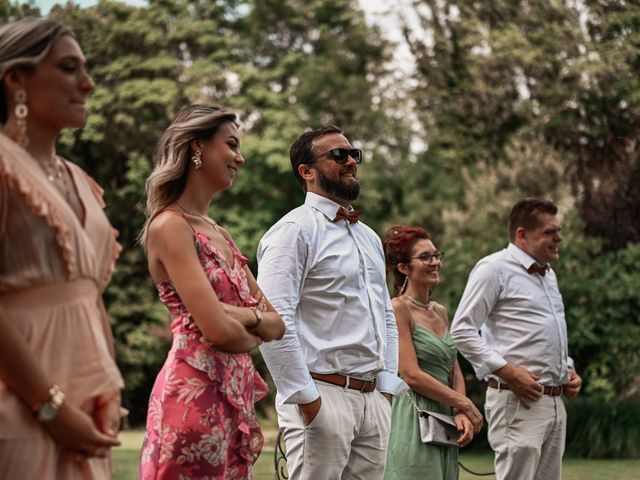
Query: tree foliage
point(531, 98)
point(569, 70)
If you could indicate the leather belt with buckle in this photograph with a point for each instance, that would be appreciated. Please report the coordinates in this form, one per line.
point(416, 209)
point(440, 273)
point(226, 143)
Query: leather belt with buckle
point(345, 381)
point(551, 391)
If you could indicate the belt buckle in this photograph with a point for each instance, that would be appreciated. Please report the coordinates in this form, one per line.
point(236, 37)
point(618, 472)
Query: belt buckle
point(365, 384)
point(552, 391)
point(497, 385)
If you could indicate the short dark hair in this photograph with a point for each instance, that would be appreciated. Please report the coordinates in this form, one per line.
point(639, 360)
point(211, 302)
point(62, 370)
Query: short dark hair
point(301, 150)
point(525, 214)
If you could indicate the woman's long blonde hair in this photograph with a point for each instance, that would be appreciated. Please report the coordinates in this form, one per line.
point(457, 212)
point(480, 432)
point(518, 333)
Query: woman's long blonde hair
point(173, 154)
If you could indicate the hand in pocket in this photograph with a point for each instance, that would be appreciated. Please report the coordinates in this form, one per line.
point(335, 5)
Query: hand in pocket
point(310, 410)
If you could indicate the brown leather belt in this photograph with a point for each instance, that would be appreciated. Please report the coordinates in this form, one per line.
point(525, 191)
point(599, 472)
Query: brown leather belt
point(345, 382)
point(551, 391)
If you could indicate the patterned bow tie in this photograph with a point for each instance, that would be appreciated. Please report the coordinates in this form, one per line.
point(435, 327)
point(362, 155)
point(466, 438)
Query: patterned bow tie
point(537, 268)
point(351, 216)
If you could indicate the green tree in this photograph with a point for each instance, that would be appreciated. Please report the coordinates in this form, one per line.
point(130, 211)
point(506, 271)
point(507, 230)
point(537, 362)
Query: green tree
point(488, 70)
point(502, 86)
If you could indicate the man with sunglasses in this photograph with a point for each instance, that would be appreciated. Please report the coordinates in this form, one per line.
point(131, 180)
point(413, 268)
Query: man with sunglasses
point(336, 367)
point(510, 325)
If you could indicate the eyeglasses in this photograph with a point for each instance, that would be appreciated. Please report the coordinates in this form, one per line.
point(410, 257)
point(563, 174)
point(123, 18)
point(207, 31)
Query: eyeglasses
point(426, 257)
point(341, 155)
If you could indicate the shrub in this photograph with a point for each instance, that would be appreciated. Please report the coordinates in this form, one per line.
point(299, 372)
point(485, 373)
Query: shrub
point(597, 429)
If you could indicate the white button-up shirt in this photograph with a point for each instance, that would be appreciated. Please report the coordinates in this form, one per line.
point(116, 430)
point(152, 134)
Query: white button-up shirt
point(507, 315)
point(327, 281)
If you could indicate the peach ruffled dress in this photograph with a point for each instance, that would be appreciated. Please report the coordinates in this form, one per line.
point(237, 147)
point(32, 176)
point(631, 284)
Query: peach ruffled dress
point(53, 270)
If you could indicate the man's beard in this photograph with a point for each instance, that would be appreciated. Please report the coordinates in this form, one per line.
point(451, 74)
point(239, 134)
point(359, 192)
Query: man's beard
point(338, 187)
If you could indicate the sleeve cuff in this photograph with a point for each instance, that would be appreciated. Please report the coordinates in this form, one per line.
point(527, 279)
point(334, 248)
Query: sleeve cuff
point(570, 363)
point(307, 395)
point(493, 363)
point(388, 382)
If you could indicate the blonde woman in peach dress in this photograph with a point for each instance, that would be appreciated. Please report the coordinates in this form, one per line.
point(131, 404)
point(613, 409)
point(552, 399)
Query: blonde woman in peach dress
point(59, 384)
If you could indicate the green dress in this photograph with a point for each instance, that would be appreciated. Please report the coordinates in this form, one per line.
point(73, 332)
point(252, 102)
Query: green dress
point(408, 458)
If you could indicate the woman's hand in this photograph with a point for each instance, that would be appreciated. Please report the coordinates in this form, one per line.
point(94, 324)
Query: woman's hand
point(75, 430)
point(241, 314)
point(262, 301)
point(466, 407)
point(108, 413)
point(465, 427)
point(271, 327)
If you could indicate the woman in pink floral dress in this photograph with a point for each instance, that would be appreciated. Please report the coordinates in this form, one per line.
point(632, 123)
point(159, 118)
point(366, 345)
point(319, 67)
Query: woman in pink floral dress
point(201, 422)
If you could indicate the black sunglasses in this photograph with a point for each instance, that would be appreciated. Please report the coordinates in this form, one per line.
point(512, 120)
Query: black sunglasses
point(341, 155)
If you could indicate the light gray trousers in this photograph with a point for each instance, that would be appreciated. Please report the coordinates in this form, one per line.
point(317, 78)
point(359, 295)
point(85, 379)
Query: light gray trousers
point(528, 443)
point(347, 440)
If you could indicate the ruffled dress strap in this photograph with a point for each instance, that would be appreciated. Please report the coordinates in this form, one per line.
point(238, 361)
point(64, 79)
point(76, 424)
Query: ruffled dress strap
point(103, 237)
point(22, 174)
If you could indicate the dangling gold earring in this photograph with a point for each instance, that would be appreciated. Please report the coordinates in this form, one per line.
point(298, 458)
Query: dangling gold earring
point(196, 158)
point(21, 111)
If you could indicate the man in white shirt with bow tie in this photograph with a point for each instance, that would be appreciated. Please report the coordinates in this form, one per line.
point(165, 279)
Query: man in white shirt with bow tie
point(510, 325)
point(335, 369)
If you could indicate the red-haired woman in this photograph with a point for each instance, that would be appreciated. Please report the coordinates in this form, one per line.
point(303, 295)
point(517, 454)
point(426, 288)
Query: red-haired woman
point(427, 361)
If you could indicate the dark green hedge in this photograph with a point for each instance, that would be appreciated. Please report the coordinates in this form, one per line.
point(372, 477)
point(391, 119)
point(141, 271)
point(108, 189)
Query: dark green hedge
point(597, 429)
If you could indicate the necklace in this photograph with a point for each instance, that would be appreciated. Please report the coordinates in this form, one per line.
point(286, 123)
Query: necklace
point(206, 218)
point(418, 302)
point(56, 174)
point(54, 170)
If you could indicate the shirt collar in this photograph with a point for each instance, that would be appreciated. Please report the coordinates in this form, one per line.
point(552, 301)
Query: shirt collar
point(324, 205)
point(521, 256)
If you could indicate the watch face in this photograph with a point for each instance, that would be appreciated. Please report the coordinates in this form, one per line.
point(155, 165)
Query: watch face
point(47, 412)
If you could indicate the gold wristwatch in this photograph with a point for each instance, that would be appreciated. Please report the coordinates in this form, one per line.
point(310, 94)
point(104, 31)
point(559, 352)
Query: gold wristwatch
point(48, 410)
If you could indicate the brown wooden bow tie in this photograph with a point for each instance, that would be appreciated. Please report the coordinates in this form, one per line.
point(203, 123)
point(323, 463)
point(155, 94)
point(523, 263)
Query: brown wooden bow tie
point(351, 216)
point(537, 268)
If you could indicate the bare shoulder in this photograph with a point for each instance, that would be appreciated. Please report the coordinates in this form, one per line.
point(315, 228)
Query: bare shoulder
point(400, 309)
point(169, 228)
point(397, 303)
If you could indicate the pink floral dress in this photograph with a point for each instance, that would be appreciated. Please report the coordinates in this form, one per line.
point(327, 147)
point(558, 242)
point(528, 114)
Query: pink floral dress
point(201, 422)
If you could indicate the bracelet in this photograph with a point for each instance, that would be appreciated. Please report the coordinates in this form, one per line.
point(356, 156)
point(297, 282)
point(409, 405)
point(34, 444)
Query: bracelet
point(258, 315)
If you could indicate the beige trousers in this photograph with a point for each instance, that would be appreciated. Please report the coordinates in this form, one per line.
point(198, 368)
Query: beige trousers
point(528, 443)
point(347, 440)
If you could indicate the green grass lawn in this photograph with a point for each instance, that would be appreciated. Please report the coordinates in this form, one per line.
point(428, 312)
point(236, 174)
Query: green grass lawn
point(572, 468)
point(126, 457)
